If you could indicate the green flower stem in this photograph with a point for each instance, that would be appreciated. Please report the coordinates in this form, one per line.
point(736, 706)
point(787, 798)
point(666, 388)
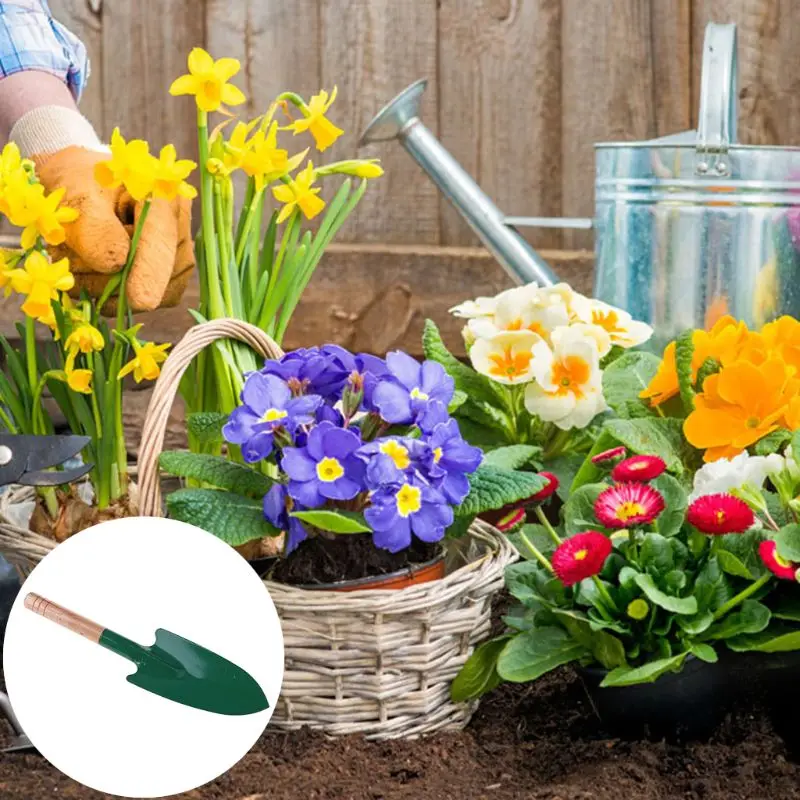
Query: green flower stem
point(122, 302)
point(215, 304)
point(539, 557)
point(742, 596)
point(30, 353)
point(224, 255)
point(249, 214)
point(295, 100)
point(556, 446)
point(6, 420)
point(547, 526)
point(605, 595)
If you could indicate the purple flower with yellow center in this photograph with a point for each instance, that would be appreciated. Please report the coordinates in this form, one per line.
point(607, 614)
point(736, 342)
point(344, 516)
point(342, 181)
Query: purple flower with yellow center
point(267, 404)
point(389, 457)
point(326, 468)
point(406, 393)
point(411, 507)
point(277, 505)
point(452, 459)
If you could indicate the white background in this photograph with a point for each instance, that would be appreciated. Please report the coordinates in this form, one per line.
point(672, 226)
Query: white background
point(72, 698)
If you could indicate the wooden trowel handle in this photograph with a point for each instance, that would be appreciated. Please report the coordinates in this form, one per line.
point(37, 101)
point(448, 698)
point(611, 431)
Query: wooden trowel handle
point(64, 617)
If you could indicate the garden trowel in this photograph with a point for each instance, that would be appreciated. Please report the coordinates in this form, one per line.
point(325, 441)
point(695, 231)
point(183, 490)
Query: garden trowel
point(173, 667)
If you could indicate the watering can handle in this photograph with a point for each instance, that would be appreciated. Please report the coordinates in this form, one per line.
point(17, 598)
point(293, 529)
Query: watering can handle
point(716, 129)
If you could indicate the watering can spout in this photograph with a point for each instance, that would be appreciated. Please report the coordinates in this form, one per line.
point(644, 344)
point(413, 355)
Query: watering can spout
point(400, 120)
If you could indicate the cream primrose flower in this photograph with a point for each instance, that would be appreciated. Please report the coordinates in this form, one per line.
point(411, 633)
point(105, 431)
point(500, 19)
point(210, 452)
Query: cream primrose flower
point(578, 306)
point(568, 388)
point(599, 335)
point(728, 474)
point(505, 357)
point(623, 329)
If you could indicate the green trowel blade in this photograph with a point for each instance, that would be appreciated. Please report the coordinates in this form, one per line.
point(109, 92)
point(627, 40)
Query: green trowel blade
point(185, 672)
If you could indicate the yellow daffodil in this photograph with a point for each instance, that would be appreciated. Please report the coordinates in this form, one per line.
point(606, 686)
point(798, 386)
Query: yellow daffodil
point(208, 81)
point(314, 121)
point(131, 165)
point(171, 174)
point(41, 281)
point(85, 338)
point(39, 214)
point(361, 168)
point(145, 364)
point(298, 193)
point(79, 380)
point(265, 161)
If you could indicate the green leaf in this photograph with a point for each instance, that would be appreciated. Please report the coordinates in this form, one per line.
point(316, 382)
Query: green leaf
point(589, 472)
point(670, 520)
point(773, 442)
point(607, 649)
point(530, 655)
point(625, 378)
point(578, 511)
point(788, 608)
point(479, 675)
point(525, 581)
point(705, 652)
point(230, 517)
point(694, 626)
point(731, 564)
point(788, 541)
point(478, 434)
point(775, 639)
point(206, 426)
point(467, 380)
point(657, 554)
point(677, 605)
point(712, 588)
point(216, 471)
point(647, 673)
point(492, 488)
point(334, 521)
point(751, 617)
point(535, 535)
point(514, 456)
point(656, 436)
point(684, 353)
point(565, 467)
point(459, 398)
point(738, 554)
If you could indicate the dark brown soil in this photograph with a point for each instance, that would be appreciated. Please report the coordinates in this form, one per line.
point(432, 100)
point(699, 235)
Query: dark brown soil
point(341, 558)
point(538, 742)
point(74, 515)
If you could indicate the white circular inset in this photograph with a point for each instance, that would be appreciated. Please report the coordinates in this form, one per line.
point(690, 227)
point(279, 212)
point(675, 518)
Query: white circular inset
point(134, 576)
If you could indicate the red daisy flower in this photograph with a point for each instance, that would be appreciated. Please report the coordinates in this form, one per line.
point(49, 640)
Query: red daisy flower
point(548, 491)
point(716, 514)
point(638, 468)
point(774, 563)
point(581, 556)
point(628, 504)
point(511, 520)
point(609, 457)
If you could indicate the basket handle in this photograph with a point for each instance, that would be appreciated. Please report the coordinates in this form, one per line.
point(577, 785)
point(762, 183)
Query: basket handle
point(155, 423)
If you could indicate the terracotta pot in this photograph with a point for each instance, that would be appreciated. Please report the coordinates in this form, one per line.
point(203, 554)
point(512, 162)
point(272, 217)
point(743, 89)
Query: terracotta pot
point(433, 570)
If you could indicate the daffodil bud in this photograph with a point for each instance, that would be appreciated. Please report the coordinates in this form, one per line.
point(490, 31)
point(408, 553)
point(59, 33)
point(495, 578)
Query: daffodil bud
point(638, 609)
point(216, 168)
point(361, 168)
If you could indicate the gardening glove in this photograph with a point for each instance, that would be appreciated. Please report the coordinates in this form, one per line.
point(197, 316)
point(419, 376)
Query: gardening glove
point(65, 148)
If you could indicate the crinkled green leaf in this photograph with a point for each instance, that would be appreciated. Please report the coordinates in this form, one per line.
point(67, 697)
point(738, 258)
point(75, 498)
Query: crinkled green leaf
point(513, 456)
point(231, 517)
point(492, 488)
point(647, 673)
point(677, 605)
point(658, 436)
point(216, 471)
point(206, 426)
point(334, 521)
point(479, 675)
point(625, 378)
point(773, 442)
point(530, 655)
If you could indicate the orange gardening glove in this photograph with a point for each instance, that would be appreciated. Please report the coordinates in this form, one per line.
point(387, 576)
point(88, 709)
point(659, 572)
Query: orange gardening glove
point(97, 243)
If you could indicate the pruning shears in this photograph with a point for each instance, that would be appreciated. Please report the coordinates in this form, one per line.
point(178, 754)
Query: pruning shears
point(29, 460)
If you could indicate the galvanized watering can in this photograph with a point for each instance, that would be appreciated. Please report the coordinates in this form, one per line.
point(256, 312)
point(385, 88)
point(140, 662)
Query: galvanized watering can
point(687, 228)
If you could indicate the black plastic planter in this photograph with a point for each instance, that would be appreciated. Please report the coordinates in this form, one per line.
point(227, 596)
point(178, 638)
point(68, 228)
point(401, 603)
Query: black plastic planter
point(678, 706)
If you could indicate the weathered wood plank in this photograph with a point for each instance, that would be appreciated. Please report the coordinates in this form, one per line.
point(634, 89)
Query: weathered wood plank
point(614, 89)
point(500, 107)
point(372, 297)
point(371, 49)
point(769, 65)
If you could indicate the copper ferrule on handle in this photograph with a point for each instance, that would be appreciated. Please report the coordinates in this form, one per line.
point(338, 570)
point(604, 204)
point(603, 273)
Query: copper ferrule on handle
point(64, 617)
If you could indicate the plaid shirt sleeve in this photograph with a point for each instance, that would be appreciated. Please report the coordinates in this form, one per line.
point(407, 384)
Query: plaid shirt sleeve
point(30, 39)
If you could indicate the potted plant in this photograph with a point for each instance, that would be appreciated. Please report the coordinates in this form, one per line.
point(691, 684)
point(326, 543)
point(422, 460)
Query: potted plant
point(84, 357)
point(545, 366)
point(676, 545)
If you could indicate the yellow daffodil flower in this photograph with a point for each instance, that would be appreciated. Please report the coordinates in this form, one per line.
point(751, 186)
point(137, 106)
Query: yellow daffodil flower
point(145, 364)
point(41, 281)
point(265, 161)
point(39, 214)
point(131, 165)
point(230, 154)
point(171, 174)
point(314, 121)
point(298, 193)
point(208, 81)
point(79, 380)
point(85, 338)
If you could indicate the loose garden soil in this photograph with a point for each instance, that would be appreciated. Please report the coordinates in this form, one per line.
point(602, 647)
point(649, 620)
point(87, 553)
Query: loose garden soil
point(540, 742)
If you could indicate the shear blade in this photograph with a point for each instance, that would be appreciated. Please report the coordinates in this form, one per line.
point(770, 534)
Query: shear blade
point(41, 478)
point(50, 451)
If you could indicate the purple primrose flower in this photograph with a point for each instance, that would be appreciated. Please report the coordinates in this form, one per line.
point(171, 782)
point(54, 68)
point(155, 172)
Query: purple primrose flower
point(398, 510)
point(451, 459)
point(390, 457)
point(405, 395)
point(326, 468)
point(277, 504)
point(267, 404)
